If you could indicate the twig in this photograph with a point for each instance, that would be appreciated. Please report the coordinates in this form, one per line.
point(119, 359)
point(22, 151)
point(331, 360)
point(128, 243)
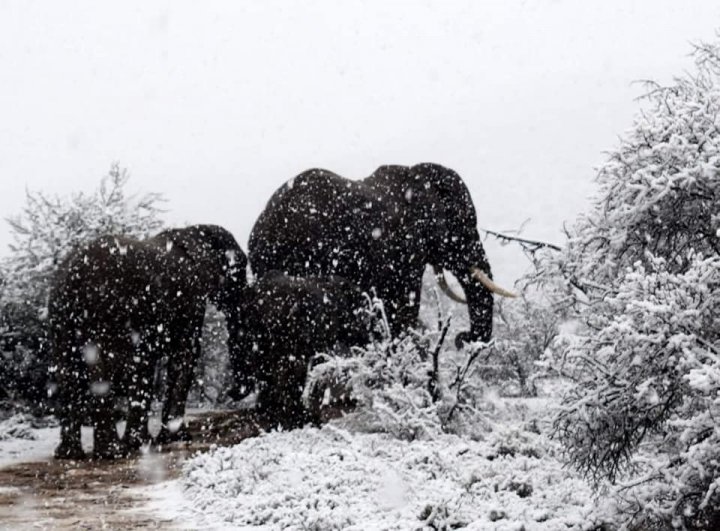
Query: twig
point(433, 384)
point(535, 244)
point(463, 372)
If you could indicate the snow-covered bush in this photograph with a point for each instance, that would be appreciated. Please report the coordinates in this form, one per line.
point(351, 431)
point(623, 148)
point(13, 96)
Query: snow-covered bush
point(642, 272)
point(524, 329)
point(409, 386)
point(17, 427)
point(44, 232)
point(332, 479)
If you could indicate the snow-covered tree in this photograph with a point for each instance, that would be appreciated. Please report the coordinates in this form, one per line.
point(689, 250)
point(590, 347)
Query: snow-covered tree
point(43, 233)
point(642, 273)
point(524, 329)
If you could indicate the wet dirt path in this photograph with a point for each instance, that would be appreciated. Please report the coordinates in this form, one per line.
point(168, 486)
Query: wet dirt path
point(77, 495)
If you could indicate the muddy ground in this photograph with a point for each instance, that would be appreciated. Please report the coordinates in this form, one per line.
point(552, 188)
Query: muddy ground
point(54, 494)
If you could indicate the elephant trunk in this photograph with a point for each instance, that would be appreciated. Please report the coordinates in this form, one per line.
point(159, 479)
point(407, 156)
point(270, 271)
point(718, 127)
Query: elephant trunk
point(473, 272)
point(241, 362)
point(480, 309)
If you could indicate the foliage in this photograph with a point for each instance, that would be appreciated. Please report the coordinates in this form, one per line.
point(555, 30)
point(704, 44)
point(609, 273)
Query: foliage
point(44, 232)
point(524, 330)
point(641, 276)
point(408, 386)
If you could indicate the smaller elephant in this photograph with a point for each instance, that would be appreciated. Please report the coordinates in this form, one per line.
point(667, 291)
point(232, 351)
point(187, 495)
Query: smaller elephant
point(286, 320)
point(117, 306)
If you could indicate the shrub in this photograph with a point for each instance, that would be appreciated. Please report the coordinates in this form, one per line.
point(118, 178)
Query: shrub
point(641, 272)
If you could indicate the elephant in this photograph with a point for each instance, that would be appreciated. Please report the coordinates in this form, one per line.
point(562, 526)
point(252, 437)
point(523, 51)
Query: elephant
point(286, 320)
point(380, 233)
point(118, 305)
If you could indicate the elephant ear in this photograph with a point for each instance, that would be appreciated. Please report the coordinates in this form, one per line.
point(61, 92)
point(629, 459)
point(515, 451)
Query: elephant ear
point(182, 243)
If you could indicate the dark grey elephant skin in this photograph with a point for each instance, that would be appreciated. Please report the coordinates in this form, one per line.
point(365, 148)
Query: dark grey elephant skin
point(285, 322)
point(117, 306)
point(379, 233)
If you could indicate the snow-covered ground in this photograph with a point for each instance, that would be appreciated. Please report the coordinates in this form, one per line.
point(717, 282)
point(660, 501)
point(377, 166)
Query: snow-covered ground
point(331, 478)
point(19, 441)
point(335, 478)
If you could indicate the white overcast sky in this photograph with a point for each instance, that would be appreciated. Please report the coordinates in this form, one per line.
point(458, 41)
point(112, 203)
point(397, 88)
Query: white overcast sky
point(215, 104)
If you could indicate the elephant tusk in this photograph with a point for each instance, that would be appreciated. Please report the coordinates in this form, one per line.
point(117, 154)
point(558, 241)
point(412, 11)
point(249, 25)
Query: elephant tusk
point(482, 277)
point(440, 275)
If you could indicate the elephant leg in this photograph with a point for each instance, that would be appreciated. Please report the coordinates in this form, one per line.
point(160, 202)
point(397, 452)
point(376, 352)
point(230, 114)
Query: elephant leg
point(107, 444)
point(71, 381)
point(136, 430)
point(316, 400)
point(280, 397)
point(139, 391)
point(179, 380)
point(70, 446)
point(181, 368)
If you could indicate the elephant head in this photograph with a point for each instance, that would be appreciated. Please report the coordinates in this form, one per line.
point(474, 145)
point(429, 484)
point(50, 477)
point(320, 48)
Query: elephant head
point(441, 224)
point(215, 264)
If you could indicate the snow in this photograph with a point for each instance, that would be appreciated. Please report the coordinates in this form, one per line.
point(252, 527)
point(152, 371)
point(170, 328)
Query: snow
point(332, 478)
point(336, 478)
point(41, 446)
point(21, 442)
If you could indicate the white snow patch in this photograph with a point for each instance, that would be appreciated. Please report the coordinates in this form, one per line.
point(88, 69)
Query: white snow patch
point(34, 444)
point(330, 478)
point(15, 450)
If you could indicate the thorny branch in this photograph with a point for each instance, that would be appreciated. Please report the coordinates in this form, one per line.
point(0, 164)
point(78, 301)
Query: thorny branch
point(530, 246)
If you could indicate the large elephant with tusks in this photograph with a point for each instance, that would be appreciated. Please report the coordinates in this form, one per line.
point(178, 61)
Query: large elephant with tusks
point(380, 233)
point(117, 306)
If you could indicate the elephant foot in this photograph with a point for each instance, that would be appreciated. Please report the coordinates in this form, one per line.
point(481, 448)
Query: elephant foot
point(289, 420)
point(167, 436)
point(132, 444)
point(108, 446)
point(288, 423)
point(468, 337)
point(135, 437)
point(67, 450)
point(313, 419)
point(113, 451)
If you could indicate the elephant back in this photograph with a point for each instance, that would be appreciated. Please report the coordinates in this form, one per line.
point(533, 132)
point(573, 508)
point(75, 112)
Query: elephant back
point(316, 224)
point(109, 280)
